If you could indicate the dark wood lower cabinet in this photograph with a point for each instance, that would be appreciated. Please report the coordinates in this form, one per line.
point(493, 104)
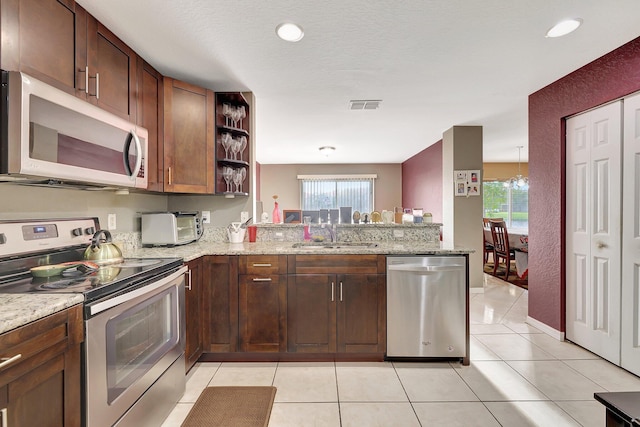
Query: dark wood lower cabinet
point(42, 386)
point(220, 304)
point(194, 299)
point(262, 313)
point(342, 313)
point(298, 307)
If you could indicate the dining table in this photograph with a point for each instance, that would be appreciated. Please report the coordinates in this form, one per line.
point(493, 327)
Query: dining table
point(519, 242)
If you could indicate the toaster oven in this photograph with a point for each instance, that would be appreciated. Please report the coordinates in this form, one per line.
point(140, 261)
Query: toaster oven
point(171, 228)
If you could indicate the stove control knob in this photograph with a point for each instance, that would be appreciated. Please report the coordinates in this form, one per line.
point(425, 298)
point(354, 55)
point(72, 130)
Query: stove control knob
point(89, 230)
point(77, 231)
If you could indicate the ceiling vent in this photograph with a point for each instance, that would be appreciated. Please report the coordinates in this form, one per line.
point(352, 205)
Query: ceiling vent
point(365, 104)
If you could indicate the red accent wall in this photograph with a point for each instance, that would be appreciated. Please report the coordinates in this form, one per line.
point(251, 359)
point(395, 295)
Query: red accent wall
point(422, 181)
point(610, 77)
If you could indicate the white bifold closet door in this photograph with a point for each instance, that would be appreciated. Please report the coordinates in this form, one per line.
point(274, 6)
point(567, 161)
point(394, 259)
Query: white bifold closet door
point(593, 230)
point(630, 307)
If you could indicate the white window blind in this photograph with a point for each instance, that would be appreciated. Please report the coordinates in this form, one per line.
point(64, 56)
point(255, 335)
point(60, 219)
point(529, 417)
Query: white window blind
point(334, 191)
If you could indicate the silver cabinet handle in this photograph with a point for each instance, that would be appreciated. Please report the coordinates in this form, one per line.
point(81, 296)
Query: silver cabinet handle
point(333, 292)
point(86, 85)
point(262, 279)
point(261, 265)
point(340, 291)
point(97, 85)
point(9, 360)
point(189, 281)
point(3, 417)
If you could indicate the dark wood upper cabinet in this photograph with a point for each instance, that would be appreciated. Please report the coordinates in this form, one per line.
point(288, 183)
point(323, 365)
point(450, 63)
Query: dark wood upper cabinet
point(188, 138)
point(150, 115)
point(112, 71)
point(58, 42)
point(47, 40)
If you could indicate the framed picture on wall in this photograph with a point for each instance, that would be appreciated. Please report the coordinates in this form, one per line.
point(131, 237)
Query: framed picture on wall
point(292, 216)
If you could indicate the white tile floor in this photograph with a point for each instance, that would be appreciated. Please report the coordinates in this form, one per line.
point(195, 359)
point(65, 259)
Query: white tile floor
point(518, 377)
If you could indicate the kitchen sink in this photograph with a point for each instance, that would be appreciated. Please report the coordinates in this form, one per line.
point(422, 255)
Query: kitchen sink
point(334, 245)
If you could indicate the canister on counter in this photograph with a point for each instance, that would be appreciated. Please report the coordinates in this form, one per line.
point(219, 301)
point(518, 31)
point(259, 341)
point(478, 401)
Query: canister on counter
point(397, 216)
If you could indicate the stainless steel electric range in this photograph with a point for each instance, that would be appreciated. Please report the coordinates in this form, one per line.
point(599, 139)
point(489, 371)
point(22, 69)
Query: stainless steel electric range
point(133, 352)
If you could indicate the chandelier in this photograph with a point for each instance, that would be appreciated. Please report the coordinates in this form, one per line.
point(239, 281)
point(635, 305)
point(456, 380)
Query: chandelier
point(518, 181)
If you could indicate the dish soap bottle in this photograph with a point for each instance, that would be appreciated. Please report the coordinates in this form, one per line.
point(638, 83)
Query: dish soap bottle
point(275, 217)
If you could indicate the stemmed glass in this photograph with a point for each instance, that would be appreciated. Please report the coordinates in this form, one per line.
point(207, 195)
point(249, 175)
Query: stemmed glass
point(227, 174)
point(227, 112)
point(243, 144)
point(226, 144)
point(243, 172)
point(235, 145)
point(237, 179)
point(242, 113)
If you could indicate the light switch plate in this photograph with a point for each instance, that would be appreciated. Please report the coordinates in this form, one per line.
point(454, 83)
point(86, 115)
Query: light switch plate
point(206, 217)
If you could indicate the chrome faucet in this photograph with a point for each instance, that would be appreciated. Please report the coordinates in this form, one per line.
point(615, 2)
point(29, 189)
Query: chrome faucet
point(333, 232)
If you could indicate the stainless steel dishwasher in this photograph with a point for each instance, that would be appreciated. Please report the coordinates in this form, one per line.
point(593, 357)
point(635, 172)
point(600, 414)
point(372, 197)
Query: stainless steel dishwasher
point(427, 307)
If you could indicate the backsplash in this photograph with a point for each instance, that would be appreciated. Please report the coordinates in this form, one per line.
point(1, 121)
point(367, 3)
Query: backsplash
point(424, 233)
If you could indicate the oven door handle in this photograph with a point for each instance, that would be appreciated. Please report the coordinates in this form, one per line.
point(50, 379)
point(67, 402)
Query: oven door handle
point(144, 290)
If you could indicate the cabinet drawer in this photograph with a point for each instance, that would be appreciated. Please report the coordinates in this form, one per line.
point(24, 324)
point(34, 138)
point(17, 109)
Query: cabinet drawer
point(337, 264)
point(263, 264)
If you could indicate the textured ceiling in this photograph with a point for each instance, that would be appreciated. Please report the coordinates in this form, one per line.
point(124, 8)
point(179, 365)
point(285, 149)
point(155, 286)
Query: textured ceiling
point(435, 64)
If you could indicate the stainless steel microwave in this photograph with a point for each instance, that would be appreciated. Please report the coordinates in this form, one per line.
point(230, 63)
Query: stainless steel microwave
point(171, 228)
point(48, 134)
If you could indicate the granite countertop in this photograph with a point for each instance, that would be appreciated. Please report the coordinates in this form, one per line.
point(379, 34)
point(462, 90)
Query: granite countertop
point(195, 250)
point(20, 309)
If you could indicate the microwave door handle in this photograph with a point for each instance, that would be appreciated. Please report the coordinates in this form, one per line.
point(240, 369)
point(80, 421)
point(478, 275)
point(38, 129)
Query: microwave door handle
point(125, 154)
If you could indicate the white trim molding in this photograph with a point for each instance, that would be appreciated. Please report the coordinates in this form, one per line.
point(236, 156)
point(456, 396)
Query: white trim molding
point(545, 328)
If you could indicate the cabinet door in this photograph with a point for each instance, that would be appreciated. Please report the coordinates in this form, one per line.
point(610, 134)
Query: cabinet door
point(42, 387)
point(188, 138)
point(150, 116)
point(46, 39)
point(193, 316)
point(112, 71)
point(262, 313)
point(311, 313)
point(220, 304)
point(361, 313)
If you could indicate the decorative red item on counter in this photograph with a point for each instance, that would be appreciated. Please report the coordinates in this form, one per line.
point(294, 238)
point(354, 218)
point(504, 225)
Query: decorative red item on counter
point(275, 218)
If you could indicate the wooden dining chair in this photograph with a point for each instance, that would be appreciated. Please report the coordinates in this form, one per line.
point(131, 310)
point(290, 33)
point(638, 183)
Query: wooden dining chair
point(488, 246)
point(501, 249)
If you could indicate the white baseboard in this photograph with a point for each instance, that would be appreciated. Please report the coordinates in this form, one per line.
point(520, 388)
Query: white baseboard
point(545, 328)
point(477, 290)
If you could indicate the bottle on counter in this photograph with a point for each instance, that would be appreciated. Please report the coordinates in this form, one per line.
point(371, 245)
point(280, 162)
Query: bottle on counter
point(275, 217)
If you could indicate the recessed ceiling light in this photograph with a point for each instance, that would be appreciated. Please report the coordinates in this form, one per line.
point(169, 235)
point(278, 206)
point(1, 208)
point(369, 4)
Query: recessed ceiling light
point(290, 32)
point(564, 27)
point(327, 150)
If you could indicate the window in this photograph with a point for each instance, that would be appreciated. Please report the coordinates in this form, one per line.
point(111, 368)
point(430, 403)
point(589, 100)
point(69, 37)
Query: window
point(332, 192)
point(510, 203)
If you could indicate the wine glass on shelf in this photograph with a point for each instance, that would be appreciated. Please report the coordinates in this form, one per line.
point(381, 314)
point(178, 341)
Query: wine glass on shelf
point(243, 144)
point(226, 143)
point(235, 145)
point(242, 113)
point(237, 179)
point(227, 112)
point(243, 172)
point(236, 117)
point(227, 174)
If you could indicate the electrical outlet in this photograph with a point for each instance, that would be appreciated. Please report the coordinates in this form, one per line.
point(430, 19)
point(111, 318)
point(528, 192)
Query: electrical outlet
point(398, 234)
point(111, 221)
point(244, 216)
point(206, 217)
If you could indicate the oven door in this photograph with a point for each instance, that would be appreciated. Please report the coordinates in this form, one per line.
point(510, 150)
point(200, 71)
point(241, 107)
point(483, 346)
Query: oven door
point(131, 340)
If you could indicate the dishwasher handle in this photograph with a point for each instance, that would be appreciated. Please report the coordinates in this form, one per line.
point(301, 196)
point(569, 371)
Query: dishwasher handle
point(425, 269)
